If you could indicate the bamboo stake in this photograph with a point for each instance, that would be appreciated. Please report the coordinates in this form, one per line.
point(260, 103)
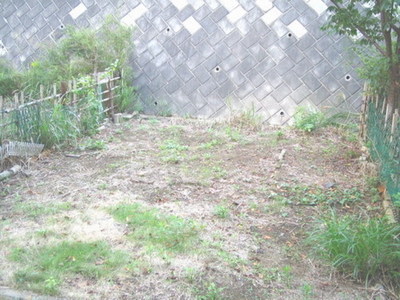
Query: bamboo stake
point(41, 91)
point(1, 106)
point(395, 120)
point(71, 99)
point(16, 99)
point(55, 93)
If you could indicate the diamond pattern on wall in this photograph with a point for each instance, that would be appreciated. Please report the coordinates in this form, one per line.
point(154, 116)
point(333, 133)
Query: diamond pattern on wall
point(194, 55)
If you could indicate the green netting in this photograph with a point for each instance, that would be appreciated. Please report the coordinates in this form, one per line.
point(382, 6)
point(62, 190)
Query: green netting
point(385, 149)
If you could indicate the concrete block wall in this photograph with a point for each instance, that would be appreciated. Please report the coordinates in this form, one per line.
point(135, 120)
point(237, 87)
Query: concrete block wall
point(205, 57)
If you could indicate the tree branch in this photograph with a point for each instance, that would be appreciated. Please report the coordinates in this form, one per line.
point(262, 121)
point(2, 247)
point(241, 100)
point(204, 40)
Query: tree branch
point(363, 32)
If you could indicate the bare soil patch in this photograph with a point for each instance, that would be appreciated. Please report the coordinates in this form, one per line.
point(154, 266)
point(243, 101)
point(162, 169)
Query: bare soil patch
point(252, 209)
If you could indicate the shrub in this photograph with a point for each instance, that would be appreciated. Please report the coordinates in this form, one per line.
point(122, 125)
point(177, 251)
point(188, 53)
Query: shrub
point(368, 250)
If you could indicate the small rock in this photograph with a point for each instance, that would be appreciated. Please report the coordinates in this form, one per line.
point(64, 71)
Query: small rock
point(329, 185)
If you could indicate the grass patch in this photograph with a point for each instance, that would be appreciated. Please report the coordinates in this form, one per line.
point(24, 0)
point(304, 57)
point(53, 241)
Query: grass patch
point(45, 268)
point(309, 195)
point(211, 144)
point(93, 144)
point(157, 231)
point(172, 151)
point(368, 250)
point(33, 210)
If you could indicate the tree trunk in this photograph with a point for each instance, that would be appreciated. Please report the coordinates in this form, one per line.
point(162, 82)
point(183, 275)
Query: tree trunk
point(393, 98)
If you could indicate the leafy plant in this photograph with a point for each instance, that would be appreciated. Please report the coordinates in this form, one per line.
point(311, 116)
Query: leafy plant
point(368, 250)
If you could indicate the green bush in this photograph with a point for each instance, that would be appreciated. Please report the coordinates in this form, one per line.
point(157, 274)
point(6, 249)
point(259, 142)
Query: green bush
point(368, 250)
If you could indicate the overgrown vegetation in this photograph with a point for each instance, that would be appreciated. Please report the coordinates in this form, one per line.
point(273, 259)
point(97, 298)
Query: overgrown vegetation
point(81, 53)
point(366, 249)
point(310, 119)
point(44, 269)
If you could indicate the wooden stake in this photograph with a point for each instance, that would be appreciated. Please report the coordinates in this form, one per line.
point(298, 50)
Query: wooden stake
point(395, 120)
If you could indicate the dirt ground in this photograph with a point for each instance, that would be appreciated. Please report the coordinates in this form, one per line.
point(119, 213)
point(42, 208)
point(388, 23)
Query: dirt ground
point(252, 192)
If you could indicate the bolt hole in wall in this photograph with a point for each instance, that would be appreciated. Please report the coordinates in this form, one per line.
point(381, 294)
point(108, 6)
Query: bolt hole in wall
point(289, 34)
point(217, 69)
point(347, 77)
point(155, 103)
point(282, 113)
point(62, 26)
point(168, 29)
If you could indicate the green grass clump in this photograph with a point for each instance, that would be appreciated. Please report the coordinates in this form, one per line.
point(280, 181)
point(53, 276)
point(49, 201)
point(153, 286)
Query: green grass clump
point(368, 250)
point(45, 268)
point(157, 231)
point(172, 151)
point(221, 211)
point(308, 120)
point(93, 144)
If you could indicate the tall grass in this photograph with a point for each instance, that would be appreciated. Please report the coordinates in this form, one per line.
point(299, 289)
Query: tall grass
point(368, 250)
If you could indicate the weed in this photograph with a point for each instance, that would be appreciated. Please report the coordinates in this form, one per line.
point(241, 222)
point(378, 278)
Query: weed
point(233, 134)
point(221, 211)
point(93, 144)
point(102, 186)
point(352, 154)
point(209, 292)
point(172, 151)
point(244, 119)
point(279, 134)
point(210, 144)
point(45, 268)
point(191, 274)
point(155, 230)
point(270, 275)
point(233, 261)
point(307, 291)
point(307, 120)
point(368, 250)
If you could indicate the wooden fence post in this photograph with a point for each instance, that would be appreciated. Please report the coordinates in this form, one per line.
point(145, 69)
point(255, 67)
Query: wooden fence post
point(111, 93)
point(16, 100)
point(1, 106)
point(395, 120)
point(74, 97)
point(55, 93)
